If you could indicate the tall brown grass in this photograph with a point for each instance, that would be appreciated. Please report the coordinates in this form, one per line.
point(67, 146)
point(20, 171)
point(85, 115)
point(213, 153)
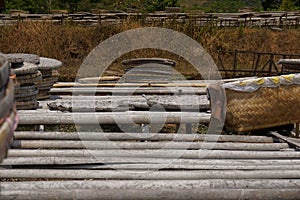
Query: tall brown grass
point(72, 43)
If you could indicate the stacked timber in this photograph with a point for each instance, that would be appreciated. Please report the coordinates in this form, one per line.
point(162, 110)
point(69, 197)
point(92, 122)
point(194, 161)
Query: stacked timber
point(148, 70)
point(7, 107)
point(27, 73)
point(49, 70)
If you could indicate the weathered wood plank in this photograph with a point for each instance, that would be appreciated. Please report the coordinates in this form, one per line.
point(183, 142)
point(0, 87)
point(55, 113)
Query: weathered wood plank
point(172, 193)
point(139, 136)
point(163, 153)
point(67, 144)
point(149, 175)
point(137, 117)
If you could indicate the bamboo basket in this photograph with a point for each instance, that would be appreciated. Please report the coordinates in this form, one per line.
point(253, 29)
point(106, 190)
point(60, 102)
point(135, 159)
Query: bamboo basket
point(264, 108)
point(256, 103)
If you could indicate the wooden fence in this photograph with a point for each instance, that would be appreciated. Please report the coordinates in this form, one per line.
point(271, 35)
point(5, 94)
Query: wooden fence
point(250, 19)
point(251, 63)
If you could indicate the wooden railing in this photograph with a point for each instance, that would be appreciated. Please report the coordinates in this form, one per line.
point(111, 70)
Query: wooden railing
point(250, 19)
point(250, 63)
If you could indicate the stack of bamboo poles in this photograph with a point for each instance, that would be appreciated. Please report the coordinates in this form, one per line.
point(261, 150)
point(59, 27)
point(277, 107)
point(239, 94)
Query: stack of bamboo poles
point(7, 107)
point(94, 165)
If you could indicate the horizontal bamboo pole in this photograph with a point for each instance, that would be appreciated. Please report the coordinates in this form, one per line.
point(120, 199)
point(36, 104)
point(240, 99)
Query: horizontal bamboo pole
point(163, 193)
point(151, 184)
point(186, 83)
point(120, 84)
point(163, 161)
point(114, 103)
point(138, 136)
point(130, 117)
point(285, 139)
point(175, 167)
point(148, 174)
point(67, 144)
point(125, 90)
point(162, 153)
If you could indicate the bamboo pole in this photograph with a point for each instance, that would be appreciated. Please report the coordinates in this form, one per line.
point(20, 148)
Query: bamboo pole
point(120, 84)
point(285, 139)
point(151, 184)
point(163, 193)
point(138, 136)
point(53, 160)
point(148, 174)
point(67, 144)
point(161, 153)
point(126, 91)
point(137, 117)
point(185, 83)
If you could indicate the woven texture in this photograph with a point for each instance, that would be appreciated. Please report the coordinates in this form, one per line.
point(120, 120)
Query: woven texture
point(267, 107)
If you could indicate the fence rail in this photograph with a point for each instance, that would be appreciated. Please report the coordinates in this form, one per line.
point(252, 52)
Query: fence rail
point(251, 63)
point(249, 19)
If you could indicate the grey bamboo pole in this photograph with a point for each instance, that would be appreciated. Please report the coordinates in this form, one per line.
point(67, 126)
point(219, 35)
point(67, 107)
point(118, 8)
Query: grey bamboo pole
point(161, 153)
point(67, 144)
point(148, 174)
point(138, 136)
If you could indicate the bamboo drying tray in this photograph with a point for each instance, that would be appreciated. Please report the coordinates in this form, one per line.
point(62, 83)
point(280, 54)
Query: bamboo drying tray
point(262, 103)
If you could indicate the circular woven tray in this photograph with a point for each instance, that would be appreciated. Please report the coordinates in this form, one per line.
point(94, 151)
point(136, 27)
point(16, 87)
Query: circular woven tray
point(36, 79)
point(7, 101)
point(141, 61)
point(30, 76)
point(43, 96)
point(31, 58)
point(26, 91)
point(46, 73)
point(27, 105)
point(49, 63)
point(4, 72)
point(27, 68)
point(14, 59)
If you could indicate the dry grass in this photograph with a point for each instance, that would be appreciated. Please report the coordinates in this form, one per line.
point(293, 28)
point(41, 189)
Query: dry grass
point(71, 43)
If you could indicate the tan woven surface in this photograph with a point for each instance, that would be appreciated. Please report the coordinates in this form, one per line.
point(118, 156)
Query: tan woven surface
point(267, 107)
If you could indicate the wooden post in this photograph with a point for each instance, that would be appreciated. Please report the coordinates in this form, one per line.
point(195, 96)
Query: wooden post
point(297, 130)
point(235, 61)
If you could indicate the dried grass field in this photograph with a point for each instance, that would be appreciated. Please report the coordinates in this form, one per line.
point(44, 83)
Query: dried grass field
point(72, 43)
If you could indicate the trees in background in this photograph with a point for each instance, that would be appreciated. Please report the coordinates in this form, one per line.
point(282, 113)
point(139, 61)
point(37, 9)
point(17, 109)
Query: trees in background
point(281, 4)
point(45, 6)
